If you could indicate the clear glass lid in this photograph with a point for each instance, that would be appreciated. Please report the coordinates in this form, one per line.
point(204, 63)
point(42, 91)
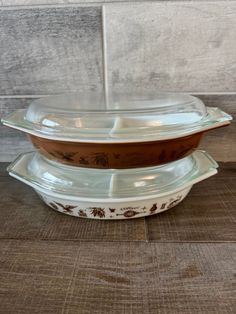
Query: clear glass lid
point(124, 118)
point(39, 172)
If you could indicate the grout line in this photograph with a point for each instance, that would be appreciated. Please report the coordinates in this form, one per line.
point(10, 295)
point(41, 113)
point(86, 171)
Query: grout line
point(92, 3)
point(48, 6)
point(192, 93)
point(24, 96)
point(211, 93)
point(104, 54)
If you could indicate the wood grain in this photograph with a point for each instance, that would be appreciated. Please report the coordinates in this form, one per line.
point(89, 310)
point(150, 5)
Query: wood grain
point(206, 215)
point(221, 143)
point(172, 46)
point(59, 277)
point(50, 50)
point(3, 167)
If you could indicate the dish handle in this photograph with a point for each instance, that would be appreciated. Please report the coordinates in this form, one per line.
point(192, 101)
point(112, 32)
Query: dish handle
point(15, 162)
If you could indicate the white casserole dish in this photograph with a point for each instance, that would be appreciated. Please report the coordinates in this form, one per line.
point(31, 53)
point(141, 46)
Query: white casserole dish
point(110, 193)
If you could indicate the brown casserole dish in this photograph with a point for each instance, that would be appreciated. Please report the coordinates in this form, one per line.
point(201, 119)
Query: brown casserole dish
point(144, 131)
point(117, 155)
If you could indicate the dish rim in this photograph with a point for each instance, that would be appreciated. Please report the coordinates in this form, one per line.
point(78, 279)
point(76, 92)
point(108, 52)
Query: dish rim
point(215, 118)
point(210, 171)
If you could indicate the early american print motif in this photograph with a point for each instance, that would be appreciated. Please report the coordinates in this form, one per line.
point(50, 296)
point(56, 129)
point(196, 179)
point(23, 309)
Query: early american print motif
point(111, 212)
point(66, 208)
point(96, 211)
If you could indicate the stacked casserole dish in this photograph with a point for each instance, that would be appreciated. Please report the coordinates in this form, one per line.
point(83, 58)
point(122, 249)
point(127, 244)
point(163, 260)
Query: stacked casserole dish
point(133, 157)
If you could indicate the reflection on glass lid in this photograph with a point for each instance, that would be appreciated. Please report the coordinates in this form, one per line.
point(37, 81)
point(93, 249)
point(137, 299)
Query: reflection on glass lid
point(97, 183)
point(124, 118)
point(89, 111)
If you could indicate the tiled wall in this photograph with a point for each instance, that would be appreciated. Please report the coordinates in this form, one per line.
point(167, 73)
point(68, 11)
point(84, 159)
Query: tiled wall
point(54, 46)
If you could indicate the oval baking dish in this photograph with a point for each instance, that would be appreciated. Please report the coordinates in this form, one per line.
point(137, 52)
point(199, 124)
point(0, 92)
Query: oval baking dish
point(112, 194)
point(128, 132)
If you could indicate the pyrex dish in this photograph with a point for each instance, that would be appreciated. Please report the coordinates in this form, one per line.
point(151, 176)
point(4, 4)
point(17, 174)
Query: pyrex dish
point(128, 132)
point(112, 194)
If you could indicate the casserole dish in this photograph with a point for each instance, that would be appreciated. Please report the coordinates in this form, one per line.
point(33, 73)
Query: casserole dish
point(112, 194)
point(129, 132)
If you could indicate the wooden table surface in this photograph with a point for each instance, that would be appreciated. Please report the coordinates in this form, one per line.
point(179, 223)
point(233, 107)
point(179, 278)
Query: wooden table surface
point(180, 261)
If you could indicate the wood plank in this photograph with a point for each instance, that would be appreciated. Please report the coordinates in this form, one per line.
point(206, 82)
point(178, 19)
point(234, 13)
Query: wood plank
point(50, 50)
point(59, 277)
point(221, 143)
point(172, 46)
point(206, 215)
point(24, 216)
point(3, 167)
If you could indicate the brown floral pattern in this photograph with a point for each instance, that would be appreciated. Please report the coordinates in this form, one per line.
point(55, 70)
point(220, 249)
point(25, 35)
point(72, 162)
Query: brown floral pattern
point(118, 155)
point(101, 159)
point(112, 213)
point(163, 206)
point(174, 202)
point(66, 208)
point(65, 156)
point(82, 213)
point(96, 211)
point(54, 206)
point(83, 161)
point(153, 208)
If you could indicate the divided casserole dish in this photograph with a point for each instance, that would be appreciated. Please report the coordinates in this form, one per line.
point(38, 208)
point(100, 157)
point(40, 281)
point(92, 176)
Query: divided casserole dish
point(128, 132)
point(112, 194)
